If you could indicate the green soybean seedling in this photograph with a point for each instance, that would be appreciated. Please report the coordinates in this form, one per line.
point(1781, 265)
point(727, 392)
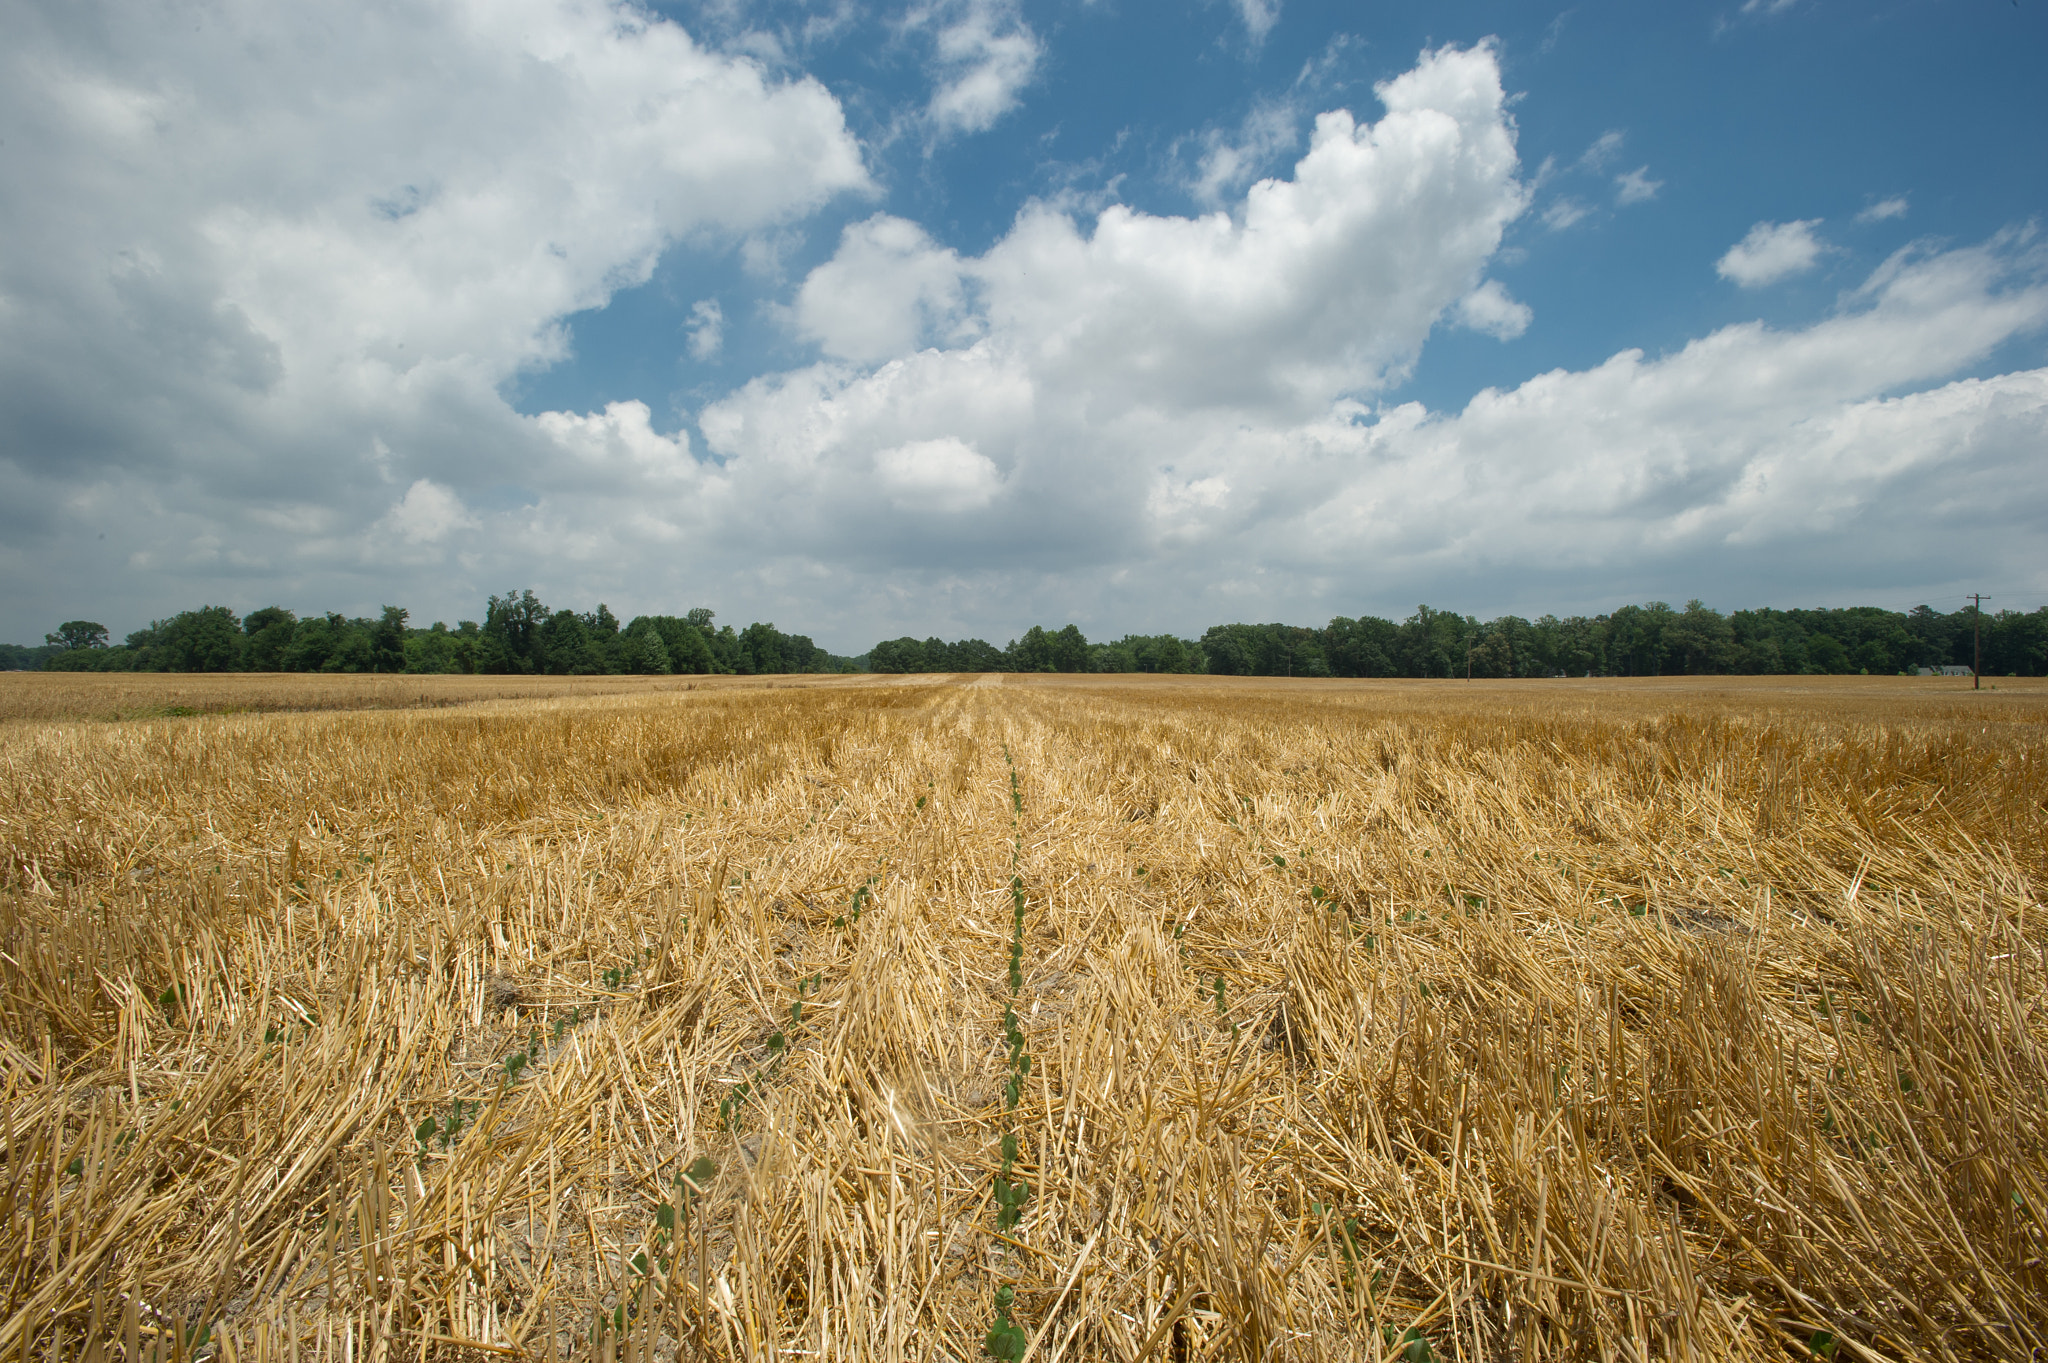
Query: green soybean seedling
point(1005, 1340)
point(1012, 1192)
point(1414, 1348)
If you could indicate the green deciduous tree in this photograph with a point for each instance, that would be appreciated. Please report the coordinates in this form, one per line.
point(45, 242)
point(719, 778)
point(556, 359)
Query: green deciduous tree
point(78, 634)
point(512, 630)
point(269, 633)
point(387, 641)
point(642, 649)
point(897, 655)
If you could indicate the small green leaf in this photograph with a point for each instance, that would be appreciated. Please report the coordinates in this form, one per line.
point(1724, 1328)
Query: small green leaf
point(1005, 1342)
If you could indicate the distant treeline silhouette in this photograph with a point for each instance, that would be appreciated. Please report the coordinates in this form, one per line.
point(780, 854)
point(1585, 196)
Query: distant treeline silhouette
point(519, 634)
point(1635, 641)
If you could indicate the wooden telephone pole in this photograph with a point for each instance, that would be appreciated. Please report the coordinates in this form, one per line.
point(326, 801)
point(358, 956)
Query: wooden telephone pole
point(1977, 641)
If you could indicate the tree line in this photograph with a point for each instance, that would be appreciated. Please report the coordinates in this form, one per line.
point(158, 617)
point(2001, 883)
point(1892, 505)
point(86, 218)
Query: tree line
point(520, 634)
point(1634, 641)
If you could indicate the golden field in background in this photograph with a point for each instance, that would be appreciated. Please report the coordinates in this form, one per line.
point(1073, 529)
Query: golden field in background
point(1618, 1019)
point(171, 695)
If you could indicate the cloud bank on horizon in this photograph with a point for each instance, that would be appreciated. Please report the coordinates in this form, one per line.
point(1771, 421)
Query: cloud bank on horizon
point(274, 283)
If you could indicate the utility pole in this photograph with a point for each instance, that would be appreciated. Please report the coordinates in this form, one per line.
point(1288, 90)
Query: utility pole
point(1977, 641)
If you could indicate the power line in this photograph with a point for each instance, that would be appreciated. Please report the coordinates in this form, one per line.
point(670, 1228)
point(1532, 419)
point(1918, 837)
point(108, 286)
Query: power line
point(1977, 641)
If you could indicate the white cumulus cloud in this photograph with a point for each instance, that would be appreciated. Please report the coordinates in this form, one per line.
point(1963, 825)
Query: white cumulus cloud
point(1604, 149)
point(1842, 446)
point(1770, 252)
point(1080, 353)
point(1323, 283)
point(938, 475)
point(1885, 209)
point(886, 289)
point(1635, 186)
point(1565, 213)
point(273, 373)
point(428, 513)
point(245, 240)
point(707, 329)
point(1259, 17)
point(1231, 162)
point(1490, 309)
point(983, 55)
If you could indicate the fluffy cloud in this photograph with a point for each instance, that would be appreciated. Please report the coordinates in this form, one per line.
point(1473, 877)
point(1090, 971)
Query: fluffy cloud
point(1259, 17)
point(1229, 163)
point(262, 383)
point(1885, 209)
point(1565, 213)
point(1635, 186)
point(1322, 284)
point(1770, 252)
point(938, 475)
point(1838, 446)
point(1604, 149)
point(1746, 440)
point(265, 271)
point(427, 513)
point(1082, 352)
point(707, 328)
point(887, 289)
point(1172, 419)
point(1490, 309)
point(984, 54)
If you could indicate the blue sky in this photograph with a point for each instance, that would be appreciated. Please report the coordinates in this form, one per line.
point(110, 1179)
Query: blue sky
point(1806, 111)
point(960, 315)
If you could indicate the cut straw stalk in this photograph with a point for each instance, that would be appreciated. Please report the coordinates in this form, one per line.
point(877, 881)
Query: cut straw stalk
point(1803, 1085)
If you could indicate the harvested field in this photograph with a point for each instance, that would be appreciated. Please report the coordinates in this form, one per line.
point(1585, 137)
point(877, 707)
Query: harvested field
point(1345, 1020)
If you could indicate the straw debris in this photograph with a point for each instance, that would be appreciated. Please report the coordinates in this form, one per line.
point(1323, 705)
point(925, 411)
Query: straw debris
point(1054, 1020)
